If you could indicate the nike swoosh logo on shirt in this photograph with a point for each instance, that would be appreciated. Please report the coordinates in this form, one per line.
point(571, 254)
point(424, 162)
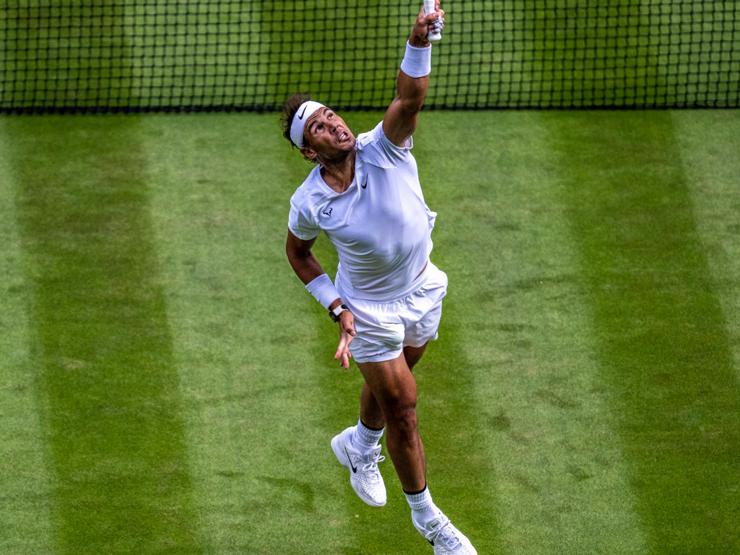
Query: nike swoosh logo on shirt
point(364, 185)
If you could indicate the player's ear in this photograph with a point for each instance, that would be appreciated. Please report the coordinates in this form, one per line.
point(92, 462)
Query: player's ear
point(309, 153)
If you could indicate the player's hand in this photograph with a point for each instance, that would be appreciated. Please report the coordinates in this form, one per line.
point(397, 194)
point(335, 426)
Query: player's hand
point(346, 335)
point(426, 24)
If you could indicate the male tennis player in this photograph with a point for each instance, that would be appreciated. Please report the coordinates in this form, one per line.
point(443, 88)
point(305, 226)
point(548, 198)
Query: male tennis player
point(365, 195)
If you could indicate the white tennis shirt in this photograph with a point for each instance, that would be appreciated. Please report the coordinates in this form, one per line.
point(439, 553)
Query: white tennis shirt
point(380, 226)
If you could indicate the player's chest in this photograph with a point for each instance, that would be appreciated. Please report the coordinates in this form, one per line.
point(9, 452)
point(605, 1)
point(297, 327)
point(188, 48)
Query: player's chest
point(371, 204)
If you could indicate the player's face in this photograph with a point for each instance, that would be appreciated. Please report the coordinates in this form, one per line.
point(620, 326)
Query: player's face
point(328, 135)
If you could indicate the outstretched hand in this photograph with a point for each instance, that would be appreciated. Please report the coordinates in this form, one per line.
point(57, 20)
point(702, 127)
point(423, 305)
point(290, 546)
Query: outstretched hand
point(346, 335)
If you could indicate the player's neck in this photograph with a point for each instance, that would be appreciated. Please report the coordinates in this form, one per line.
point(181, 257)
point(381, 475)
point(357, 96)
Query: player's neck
point(338, 174)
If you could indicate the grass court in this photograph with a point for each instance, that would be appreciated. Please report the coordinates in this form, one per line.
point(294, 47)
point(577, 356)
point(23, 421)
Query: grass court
point(167, 385)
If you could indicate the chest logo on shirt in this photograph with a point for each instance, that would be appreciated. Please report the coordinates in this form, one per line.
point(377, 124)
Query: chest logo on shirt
point(327, 212)
point(364, 185)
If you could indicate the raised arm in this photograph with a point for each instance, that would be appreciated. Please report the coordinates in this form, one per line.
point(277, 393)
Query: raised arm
point(401, 117)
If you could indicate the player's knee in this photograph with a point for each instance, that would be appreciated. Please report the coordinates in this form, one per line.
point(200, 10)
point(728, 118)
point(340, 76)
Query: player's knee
point(402, 416)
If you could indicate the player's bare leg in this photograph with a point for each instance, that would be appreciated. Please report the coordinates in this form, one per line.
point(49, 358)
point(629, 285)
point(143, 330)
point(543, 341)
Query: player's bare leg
point(413, 354)
point(391, 385)
point(371, 414)
point(370, 411)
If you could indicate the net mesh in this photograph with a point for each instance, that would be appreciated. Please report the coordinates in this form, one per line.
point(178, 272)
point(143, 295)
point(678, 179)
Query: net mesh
point(157, 55)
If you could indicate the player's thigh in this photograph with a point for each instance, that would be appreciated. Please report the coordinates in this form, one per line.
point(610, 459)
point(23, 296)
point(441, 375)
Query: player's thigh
point(413, 354)
point(391, 382)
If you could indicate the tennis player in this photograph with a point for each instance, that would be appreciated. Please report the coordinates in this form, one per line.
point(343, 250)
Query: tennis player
point(364, 194)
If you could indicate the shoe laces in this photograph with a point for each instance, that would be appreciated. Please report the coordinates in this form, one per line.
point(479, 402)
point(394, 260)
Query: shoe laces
point(371, 461)
point(441, 530)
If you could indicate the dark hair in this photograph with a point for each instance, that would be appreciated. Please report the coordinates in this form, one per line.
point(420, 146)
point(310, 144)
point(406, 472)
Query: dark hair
point(290, 107)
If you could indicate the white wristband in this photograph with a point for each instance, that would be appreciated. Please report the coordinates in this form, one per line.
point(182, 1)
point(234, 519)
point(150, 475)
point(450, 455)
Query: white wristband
point(417, 62)
point(323, 290)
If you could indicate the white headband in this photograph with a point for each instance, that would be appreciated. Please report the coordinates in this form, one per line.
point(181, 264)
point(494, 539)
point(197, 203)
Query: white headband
point(304, 112)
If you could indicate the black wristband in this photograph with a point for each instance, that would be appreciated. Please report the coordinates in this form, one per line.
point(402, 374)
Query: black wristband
point(334, 314)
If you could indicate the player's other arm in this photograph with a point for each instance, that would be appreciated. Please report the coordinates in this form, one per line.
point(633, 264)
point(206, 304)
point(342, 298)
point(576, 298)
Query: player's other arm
point(401, 117)
point(308, 269)
point(304, 263)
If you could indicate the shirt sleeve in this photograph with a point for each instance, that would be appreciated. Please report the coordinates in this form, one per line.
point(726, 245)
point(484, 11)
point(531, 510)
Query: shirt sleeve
point(378, 150)
point(301, 222)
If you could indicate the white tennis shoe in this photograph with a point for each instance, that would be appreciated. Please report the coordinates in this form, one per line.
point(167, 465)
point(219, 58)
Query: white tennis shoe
point(364, 474)
point(444, 537)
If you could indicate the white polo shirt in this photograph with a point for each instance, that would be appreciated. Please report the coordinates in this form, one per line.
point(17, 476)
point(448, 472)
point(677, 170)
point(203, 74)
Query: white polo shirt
point(380, 226)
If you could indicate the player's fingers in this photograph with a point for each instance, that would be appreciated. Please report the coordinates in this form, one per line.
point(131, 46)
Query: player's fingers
point(431, 18)
point(347, 340)
point(435, 23)
point(342, 357)
point(341, 348)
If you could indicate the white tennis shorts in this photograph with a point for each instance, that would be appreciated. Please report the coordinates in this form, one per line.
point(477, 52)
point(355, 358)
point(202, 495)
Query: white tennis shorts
point(384, 329)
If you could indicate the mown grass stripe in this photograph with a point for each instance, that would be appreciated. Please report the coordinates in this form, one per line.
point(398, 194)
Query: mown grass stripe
point(244, 331)
point(709, 143)
point(25, 501)
point(664, 345)
point(108, 380)
point(457, 471)
point(339, 408)
point(558, 479)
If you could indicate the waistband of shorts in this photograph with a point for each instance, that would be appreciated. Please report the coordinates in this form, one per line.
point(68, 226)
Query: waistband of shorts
point(414, 286)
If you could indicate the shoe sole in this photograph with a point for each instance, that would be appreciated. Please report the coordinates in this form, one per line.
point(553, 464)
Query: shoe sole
point(336, 446)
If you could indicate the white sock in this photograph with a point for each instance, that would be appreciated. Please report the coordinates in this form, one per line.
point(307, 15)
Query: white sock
point(423, 508)
point(364, 439)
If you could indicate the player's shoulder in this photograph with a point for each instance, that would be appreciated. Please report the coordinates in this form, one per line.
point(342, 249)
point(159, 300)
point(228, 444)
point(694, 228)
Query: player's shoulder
point(376, 149)
point(364, 140)
point(302, 221)
point(310, 191)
